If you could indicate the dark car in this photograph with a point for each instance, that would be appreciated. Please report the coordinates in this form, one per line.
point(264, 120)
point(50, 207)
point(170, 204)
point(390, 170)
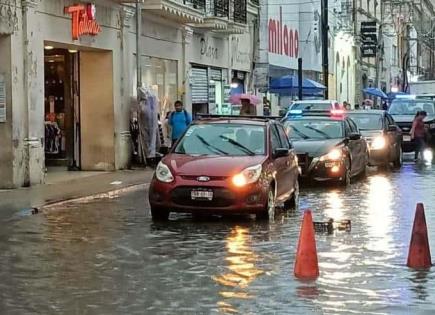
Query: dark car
point(329, 146)
point(403, 111)
point(227, 165)
point(383, 136)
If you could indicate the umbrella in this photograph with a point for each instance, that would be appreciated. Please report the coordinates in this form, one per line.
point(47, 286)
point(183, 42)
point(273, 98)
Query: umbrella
point(236, 99)
point(375, 92)
point(289, 84)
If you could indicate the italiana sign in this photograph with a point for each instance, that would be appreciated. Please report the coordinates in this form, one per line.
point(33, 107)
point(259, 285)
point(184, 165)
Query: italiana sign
point(83, 20)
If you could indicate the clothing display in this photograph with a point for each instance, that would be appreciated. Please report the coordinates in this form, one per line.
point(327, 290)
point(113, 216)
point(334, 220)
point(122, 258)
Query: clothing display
point(53, 137)
point(148, 122)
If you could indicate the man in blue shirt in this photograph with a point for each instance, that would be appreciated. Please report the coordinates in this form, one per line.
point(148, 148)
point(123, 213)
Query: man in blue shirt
point(179, 121)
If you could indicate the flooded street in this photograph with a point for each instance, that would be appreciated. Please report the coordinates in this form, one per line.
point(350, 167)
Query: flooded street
point(107, 256)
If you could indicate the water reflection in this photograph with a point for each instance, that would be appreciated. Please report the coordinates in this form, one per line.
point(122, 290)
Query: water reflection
point(379, 216)
point(334, 207)
point(242, 268)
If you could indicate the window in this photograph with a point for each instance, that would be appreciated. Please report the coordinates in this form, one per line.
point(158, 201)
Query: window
point(284, 140)
point(390, 120)
point(276, 142)
point(161, 76)
point(347, 128)
point(394, 53)
point(353, 126)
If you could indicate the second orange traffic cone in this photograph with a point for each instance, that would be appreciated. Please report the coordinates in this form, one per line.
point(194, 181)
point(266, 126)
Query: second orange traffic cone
point(419, 251)
point(306, 265)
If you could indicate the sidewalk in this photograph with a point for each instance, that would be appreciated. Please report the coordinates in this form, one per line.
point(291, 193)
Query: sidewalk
point(63, 186)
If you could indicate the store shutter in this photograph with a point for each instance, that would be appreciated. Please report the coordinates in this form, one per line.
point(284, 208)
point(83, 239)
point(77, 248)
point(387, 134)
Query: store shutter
point(216, 74)
point(199, 86)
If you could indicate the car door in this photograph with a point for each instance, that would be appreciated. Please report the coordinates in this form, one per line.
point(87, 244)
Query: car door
point(280, 163)
point(396, 136)
point(290, 173)
point(391, 137)
point(355, 147)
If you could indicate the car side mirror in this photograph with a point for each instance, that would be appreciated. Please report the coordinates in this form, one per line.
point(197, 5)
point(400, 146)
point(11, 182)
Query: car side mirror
point(281, 152)
point(392, 128)
point(354, 136)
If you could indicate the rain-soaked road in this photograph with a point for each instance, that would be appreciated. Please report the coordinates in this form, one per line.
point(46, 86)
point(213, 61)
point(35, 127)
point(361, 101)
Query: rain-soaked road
point(107, 257)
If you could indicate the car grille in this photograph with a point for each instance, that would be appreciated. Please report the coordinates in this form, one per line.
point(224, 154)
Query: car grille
point(211, 178)
point(304, 161)
point(222, 197)
point(405, 126)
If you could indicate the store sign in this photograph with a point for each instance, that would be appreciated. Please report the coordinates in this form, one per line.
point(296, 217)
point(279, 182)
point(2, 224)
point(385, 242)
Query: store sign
point(2, 99)
point(83, 20)
point(209, 50)
point(283, 39)
point(241, 47)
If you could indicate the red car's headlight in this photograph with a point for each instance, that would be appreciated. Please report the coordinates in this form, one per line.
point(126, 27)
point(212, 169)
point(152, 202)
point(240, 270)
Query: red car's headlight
point(163, 173)
point(247, 176)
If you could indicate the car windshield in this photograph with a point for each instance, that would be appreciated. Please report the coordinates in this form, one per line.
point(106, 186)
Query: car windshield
point(314, 129)
point(311, 106)
point(367, 122)
point(223, 139)
point(411, 107)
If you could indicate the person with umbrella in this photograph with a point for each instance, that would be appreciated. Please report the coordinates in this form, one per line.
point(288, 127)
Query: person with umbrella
point(248, 102)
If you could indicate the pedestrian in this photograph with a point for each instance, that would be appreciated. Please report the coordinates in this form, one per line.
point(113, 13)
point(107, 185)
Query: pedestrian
point(384, 105)
point(266, 106)
point(346, 105)
point(179, 120)
point(356, 106)
point(418, 133)
point(247, 109)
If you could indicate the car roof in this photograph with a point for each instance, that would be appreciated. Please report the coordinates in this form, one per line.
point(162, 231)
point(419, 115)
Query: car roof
point(367, 112)
point(246, 120)
point(314, 101)
point(316, 117)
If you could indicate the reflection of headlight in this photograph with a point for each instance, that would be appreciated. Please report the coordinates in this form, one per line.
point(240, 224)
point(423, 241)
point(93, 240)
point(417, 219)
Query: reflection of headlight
point(163, 173)
point(427, 155)
point(378, 143)
point(247, 176)
point(334, 155)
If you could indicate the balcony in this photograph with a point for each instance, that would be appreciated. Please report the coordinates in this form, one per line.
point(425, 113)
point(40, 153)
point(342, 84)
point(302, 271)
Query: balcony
point(182, 11)
point(240, 12)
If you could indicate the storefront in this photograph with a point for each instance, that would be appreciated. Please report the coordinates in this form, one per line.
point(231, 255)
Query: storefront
point(208, 76)
point(69, 109)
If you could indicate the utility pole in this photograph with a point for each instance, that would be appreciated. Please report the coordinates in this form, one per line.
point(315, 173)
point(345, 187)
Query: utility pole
point(325, 48)
point(380, 48)
point(300, 94)
point(138, 36)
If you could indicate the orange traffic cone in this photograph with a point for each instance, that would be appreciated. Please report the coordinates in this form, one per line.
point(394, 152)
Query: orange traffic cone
point(419, 251)
point(306, 265)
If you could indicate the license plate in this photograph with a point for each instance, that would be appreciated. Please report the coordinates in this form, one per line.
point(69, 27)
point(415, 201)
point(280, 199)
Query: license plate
point(329, 164)
point(201, 195)
point(406, 138)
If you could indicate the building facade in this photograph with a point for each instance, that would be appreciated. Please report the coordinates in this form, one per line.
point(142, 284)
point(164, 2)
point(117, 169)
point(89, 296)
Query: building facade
point(69, 74)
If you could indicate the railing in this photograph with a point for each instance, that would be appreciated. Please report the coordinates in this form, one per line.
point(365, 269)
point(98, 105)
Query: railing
point(256, 2)
point(239, 14)
point(196, 4)
point(221, 8)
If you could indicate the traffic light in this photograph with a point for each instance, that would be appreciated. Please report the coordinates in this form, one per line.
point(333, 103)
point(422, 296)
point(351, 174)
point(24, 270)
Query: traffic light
point(369, 39)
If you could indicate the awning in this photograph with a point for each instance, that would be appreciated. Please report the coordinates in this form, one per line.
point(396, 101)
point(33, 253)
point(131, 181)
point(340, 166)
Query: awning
point(289, 85)
point(375, 92)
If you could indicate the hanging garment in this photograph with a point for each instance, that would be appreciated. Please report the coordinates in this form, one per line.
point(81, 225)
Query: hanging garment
point(148, 122)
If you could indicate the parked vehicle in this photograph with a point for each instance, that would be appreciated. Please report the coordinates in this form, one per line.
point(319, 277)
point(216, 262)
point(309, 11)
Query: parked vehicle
point(329, 146)
point(403, 111)
point(383, 136)
point(322, 105)
point(227, 165)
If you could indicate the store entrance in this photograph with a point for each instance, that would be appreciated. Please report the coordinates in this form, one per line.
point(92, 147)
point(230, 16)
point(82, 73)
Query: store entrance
point(62, 110)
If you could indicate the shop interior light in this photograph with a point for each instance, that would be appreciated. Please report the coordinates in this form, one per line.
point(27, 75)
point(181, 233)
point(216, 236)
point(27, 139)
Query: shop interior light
point(234, 85)
point(72, 51)
point(48, 47)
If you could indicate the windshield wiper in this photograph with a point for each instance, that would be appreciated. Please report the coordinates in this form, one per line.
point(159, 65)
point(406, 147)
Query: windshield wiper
point(238, 144)
point(211, 146)
point(319, 131)
point(300, 133)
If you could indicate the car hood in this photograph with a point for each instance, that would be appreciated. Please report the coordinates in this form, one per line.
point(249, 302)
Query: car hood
point(410, 118)
point(368, 134)
point(316, 148)
point(217, 166)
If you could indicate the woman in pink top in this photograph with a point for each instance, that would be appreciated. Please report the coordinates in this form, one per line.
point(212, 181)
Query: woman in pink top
point(418, 133)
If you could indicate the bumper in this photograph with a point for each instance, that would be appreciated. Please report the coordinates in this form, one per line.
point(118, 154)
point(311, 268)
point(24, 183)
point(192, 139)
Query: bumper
point(324, 170)
point(378, 157)
point(176, 197)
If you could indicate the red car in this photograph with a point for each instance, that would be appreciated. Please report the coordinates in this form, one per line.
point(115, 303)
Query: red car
point(227, 165)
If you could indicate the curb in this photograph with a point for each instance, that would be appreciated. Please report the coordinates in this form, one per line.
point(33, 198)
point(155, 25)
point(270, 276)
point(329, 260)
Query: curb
point(108, 194)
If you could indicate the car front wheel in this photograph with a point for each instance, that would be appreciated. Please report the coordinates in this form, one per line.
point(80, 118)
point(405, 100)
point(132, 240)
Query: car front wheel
point(293, 202)
point(159, 214)
point(399, 158)
point(345, 180)
point(269, 211)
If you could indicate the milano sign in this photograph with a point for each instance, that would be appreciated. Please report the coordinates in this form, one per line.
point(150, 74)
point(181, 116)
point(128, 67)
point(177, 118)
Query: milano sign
point(283, 39)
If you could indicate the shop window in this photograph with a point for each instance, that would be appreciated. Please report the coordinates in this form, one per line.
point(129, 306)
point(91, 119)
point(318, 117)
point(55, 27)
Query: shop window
point(161, 76)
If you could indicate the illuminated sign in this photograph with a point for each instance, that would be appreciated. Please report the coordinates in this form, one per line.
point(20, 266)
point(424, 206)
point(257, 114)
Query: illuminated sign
point(83, 20)
point(282, 39)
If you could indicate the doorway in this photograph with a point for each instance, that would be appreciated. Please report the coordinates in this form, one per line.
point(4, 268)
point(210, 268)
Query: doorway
point(62, 108)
